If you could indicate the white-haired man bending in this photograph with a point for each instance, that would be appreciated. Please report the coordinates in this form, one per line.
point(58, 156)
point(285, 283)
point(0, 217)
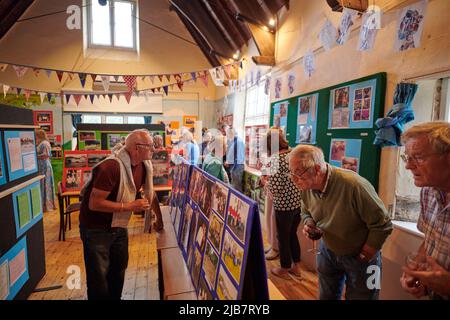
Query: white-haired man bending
point(345, 209)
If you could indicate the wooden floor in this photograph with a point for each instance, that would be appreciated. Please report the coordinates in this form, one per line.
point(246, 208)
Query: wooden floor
point(141, 278)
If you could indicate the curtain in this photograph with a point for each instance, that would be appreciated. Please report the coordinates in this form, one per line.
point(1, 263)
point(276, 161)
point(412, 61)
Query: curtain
point(391, 127)
point(437, 101)
point(147, 119)
point(76, 119)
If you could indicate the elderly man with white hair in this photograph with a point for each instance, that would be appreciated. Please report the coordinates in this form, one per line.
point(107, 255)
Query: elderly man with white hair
point(191, 151)
point(109, 198)
point(427, 155)
point(346, 211)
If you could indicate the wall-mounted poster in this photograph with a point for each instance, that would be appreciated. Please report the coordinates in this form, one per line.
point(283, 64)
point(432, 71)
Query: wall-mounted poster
point(189, 121)
point(44, 119)
point(2, 164)
point(306, 119)
point(353, 106)
point(14, 270)
point(280, 115)
point(278, 87)
point(346, 153)
point(78, 166)
point(21, 153)
point(410, 26)
point(27, 207)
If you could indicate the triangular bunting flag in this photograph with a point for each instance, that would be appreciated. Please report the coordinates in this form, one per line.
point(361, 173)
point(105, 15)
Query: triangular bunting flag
point(71, 75)
point(20, 71)
point(93, 76)
point(67, 98)
point(91, 97)
point(204, 78)
point(116, 78)
point(128, 96)
point(168, 77)
point(228, 70)
point(193, 76)
point(241, 65)
point(49, 97)
point(180, 85)
point(60, 75)
point(152, 78)
point(82, 79)
point(131, 82)
point(19, 90)
point(143, 78)
point(105, 82)
point(86, 96)
point(166, 90)
point(42, 95)
point(160, 77)
point(49, 73)
point(5, 89)
point(36, 71)
point(27, 94)
point(153, 90)
point(3, 66)
point(110, 95)
point(77, 98)
point(117, 95)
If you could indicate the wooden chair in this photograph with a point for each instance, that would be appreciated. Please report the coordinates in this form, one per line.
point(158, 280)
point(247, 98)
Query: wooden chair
point(65, 210)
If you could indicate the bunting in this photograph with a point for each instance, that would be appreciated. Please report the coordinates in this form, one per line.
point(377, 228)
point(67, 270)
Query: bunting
point(131, 82)
point(20, 71)
point(67, 98)
point(3, 66)
point(36, 72)
point(204, 78)
point(93, 76)
point(49, 97)
point(77, 98)
point(49, 73)
point(92, 97)
point(193, 76)
point(116, 78)
point(82, 77)
point(110, 96)
point(152, 79)
point(5, 89)
point(160, 77)
point(105, 83)
point(60, 75)
point(128, 96)
point(27, 95)
point(166, 90)
point(42, 95)
point(19, 90)
point(168, 77)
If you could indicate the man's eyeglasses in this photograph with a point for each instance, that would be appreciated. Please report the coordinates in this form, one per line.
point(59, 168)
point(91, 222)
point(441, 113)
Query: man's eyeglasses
point(144, 146)
point(298, 176)
point(416, 159)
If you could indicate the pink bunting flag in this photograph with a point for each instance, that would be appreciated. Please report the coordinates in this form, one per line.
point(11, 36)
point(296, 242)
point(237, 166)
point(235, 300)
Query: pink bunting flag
point(20, 71)
point(204, 77)
point(128, 96)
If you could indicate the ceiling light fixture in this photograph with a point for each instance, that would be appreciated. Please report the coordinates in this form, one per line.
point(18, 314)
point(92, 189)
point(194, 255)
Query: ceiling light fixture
point(272, 22)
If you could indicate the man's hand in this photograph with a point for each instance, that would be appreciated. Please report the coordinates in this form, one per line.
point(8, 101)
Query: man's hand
point(137, 205)
point(311, 231)
point(436, 278)
point(412, 286)
point(367, 253)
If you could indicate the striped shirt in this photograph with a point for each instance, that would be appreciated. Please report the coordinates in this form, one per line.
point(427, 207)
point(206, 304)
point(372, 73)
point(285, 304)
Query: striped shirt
point(434, 222)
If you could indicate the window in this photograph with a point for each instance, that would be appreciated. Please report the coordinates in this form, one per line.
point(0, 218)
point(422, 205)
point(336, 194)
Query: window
point(135, 120)
point(257, 106)
point(87, 118)
point(112, 25)
point(114, 119)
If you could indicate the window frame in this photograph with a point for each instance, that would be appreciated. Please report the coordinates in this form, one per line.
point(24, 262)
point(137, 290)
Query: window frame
point(256, 117)
point(89, 23)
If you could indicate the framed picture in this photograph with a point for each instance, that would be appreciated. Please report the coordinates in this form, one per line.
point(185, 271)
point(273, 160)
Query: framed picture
point(44, 119)
point(189, 121)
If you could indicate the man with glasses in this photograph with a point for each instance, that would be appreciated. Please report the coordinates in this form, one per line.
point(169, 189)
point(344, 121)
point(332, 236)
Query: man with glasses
point(352, 221)
point(427, 155)
point(109, 198)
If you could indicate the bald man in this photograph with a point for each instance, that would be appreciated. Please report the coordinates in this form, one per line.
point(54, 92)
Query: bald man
point(109, 198)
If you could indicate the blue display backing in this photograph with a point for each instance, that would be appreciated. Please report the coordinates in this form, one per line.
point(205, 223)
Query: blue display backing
point(311, 121)
point(19, 173)
point(33, 220)
point(2, 163)
point(10, 255)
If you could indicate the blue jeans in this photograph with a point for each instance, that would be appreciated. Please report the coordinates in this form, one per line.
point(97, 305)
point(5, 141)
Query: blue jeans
point(105, 259)
point(335, 271)
point(237, 176)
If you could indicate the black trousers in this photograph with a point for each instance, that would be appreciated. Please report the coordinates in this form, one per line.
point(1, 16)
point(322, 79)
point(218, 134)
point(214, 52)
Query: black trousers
point(289, 247)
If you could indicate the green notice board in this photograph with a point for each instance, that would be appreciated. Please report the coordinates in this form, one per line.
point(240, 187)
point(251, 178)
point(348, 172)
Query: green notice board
point(359, 133)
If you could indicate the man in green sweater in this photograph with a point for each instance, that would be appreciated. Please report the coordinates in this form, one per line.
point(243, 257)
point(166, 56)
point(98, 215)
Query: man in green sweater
point(344, 209)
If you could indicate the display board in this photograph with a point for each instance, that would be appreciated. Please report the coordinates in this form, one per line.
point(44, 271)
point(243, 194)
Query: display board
point(254, 145)
point(77, 167)
point(345, 115)
point(161, 166)
point(44, 119)
point(254, 190)
point(106, 136)
point(307, 119)
point(20, 153)
point(22, 251)
point(219, 233)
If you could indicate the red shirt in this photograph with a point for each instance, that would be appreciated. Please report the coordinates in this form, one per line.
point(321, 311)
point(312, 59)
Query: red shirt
point(106, 177)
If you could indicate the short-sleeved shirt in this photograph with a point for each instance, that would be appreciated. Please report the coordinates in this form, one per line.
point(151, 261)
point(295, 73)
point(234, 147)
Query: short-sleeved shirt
point(434, 222)
point(106, 177)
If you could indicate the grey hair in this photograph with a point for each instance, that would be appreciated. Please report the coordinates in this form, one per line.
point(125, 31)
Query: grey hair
point(308, 155)
point(187, 136)
point(437, 133)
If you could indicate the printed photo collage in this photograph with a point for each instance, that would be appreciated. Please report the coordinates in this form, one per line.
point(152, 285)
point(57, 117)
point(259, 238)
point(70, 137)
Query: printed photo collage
point(178, 194)
point(21, 155)
point(307, 119)
point(213, 237)
point(78, 167)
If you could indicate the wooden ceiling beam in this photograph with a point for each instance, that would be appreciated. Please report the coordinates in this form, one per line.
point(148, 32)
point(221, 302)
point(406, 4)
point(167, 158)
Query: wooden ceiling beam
point(11, 13)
